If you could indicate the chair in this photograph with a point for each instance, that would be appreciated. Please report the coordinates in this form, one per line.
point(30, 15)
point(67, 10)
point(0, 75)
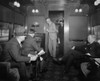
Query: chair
point(7, 73)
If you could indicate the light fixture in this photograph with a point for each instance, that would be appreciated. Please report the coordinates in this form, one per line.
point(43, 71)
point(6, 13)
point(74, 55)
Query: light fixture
point(14, 4)
point(97, 2)
point(35, 11)
point(78, 10)
point(17, 4)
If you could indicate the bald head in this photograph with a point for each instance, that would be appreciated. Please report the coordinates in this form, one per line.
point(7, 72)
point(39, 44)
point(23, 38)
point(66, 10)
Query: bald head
point(91, 38)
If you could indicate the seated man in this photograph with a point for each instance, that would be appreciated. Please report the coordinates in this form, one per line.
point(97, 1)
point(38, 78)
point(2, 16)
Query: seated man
point(89, 49)
point(12, 53)
point(30, 46)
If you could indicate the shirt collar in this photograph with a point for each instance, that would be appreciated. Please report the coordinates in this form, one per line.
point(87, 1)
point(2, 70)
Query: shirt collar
point(19, 42)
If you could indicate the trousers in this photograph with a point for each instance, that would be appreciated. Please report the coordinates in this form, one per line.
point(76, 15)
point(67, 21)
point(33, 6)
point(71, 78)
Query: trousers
point(52, 47)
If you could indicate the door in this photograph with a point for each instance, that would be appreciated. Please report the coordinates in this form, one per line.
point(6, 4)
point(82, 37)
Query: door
point(58, 18)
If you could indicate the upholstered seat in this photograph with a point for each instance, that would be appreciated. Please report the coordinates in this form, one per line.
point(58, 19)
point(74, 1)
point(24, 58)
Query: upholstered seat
point(7, 73)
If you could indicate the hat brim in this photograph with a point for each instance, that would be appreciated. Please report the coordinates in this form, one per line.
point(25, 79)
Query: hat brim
point(20, 34)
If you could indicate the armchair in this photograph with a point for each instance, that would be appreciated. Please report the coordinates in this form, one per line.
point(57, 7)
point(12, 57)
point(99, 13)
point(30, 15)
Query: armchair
point(7, 73)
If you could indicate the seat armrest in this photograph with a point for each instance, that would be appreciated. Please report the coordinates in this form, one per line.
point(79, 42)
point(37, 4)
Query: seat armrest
point(4, 68)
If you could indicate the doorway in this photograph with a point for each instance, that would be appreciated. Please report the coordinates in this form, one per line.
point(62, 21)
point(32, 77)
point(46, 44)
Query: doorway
point(58, 18)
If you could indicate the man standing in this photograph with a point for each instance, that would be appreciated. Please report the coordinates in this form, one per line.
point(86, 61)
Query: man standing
point(12, 53)
point(52, 37)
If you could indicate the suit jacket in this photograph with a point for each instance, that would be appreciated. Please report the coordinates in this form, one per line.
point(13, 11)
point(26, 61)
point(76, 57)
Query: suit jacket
point(12, 52)
point(52, 31)
point(93, 49)
point(30, 46)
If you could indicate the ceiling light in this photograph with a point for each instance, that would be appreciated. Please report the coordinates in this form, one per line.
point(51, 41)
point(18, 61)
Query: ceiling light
point(17, 4)
point(76, 10)
point(35, 11)
point(97, 2)
point(80, 10)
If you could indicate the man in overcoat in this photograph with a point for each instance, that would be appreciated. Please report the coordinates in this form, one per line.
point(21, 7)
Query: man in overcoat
point(13, 53)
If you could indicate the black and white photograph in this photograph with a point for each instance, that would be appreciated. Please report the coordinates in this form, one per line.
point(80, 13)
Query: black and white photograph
point(49, 40)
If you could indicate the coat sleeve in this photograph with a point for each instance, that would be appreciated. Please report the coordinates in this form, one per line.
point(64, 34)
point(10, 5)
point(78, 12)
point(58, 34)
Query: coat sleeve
point(81, 48)
point(36, 47)
point(16, 55)
point(94, 49)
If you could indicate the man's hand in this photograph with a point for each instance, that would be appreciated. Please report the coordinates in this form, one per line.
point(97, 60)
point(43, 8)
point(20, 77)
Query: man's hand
point(88, 54)
point(30, 55)
point(47, 30)
point(73, 47)
point(33, 57)
point(41, 58)
point(41, 52)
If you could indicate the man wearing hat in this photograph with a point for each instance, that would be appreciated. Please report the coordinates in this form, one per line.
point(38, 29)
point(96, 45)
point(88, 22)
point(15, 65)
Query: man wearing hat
point(30, 45)
point(12, 53)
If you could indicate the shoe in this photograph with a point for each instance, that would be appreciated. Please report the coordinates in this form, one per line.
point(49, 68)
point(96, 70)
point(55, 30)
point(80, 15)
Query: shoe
point(44, 70)
point(57, 61)
point(66, 71)
point(60, 59)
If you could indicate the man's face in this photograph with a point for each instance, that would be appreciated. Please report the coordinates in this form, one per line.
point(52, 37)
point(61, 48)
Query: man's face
point(91, 39)
point(99, 41)
point(48, 20)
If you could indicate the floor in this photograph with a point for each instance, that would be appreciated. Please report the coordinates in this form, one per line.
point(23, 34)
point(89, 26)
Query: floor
point(55, 72)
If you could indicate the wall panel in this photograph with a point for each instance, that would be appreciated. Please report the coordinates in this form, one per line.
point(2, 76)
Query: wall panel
point(39, 19)
point(78, 28)
point(8, 15)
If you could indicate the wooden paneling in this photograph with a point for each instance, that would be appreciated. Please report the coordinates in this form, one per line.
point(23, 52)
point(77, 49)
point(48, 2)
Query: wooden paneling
point(19, 18)
point(39, 19)
point(78, 28)
point(10, 16)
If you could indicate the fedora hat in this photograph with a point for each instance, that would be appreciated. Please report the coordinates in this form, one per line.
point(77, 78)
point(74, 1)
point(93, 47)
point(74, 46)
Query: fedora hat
point(31, 31)
point(20, 31)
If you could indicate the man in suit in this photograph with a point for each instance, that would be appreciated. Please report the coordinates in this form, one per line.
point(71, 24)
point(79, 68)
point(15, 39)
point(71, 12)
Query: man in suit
point(30, 45)
point(52, 30)
point(92, 49)
point(12, 53)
